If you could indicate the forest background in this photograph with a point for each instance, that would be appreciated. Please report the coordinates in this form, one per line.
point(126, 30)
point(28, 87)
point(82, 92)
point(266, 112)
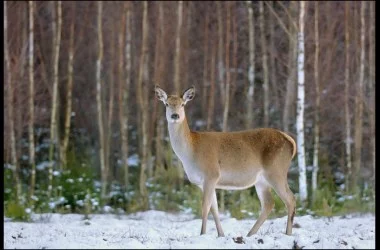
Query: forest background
point(84, 133)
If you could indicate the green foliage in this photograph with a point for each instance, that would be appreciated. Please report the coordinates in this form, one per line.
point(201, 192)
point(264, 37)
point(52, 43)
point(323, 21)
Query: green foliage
point(16, 211)
point(166, 193)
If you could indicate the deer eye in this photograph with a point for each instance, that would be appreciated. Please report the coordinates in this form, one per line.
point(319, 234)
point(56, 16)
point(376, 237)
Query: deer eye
point(166, 104)
point(182, 105)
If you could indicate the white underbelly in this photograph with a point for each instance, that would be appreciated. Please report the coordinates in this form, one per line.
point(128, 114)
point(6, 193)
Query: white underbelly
point(237, 181)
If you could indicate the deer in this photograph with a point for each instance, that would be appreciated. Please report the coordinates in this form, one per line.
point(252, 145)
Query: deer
point(237, 160)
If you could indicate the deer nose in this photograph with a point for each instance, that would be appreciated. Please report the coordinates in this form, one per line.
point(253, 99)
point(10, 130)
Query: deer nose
point(175, 116)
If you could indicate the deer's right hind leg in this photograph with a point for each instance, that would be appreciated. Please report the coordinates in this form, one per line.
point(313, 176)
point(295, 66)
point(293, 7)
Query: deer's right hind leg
point(282, 189)
point(264, 192)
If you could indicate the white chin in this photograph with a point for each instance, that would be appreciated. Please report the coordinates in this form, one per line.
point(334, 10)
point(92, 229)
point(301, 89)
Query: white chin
point(174, 121)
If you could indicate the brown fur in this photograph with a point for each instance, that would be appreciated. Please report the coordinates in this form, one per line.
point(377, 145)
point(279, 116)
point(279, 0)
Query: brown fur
point(231, 160)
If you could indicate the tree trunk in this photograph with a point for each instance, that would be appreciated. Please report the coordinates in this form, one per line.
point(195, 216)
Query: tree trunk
point(10, 94)
point(220, 51)
point(99, 103)
point(108, 128)
point(251, 69)
point(317, 101)
point(292, 74)
point(227, 86)
point(53, 121)
point(31, 99)
point(359, 105)
point(205, 65)
point(177, 69)
point(273, 68)
point(228, 73)
point(346, 98)
point(211, 100)
point(265, 65)
point(158, 62)
point(177, 58)
point(143, 106)
point(372, 88)
point(301, 106)
point(124, 90)
point(65, 141)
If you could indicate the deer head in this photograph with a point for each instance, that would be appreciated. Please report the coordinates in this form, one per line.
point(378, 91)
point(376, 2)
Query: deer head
point(175, 105)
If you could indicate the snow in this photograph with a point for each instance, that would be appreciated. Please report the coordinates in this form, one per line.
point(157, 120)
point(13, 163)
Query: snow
point(156, 229)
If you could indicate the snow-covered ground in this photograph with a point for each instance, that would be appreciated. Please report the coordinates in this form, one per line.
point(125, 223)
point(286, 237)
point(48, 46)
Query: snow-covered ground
point(155, 229)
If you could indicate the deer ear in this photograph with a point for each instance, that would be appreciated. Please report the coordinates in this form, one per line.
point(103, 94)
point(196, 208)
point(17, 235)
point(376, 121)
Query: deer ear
point(161, 94)
point(189, 94)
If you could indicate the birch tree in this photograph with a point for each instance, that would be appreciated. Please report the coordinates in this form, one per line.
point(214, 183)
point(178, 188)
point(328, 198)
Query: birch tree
point(317, 102)
point(124, 84)
point(14, 161)
point(99, 62)
point(265, 65)
point(372, 86)
point(177, 58)
point(359, 103)
point(53, 121)
point(205, 63)
point(143, 107)
point(346, 96)
point(220, 51)
point(31, 99)
point(251, 68)
point(301, 106)
point(228, 73)
point(68, 105)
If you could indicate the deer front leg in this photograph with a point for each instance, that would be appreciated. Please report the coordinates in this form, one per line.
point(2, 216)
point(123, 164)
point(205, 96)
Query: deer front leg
point(215, 214)
point(208, 192)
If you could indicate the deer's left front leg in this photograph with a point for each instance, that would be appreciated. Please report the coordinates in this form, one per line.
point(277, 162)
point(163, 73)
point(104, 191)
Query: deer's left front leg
point(208, 193)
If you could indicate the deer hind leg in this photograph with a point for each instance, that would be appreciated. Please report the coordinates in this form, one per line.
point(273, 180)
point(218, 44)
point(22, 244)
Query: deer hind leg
point(264, 192)
point(281, 187)
point(215, 214)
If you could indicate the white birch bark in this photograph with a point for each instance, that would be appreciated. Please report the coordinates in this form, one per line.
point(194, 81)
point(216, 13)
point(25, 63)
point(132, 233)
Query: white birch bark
point(317, 101)
point(99, 101)
point(220, 51)
point(70, 71)
point(251, 69)
point(346, 98)
point(301, 106)
point(31, 98)
point(53, 121)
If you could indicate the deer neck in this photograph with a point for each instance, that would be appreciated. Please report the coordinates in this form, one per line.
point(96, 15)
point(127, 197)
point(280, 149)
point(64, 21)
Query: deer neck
point(180, 138)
